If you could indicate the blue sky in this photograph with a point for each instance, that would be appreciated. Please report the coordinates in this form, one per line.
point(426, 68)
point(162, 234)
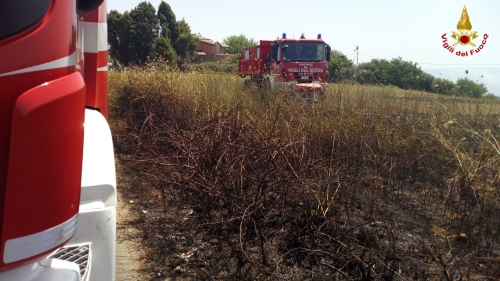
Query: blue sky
point(382, 29)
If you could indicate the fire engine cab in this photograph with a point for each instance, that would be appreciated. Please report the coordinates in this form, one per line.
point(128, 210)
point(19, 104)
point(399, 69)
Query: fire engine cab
point(57, 170)
point(297, 64)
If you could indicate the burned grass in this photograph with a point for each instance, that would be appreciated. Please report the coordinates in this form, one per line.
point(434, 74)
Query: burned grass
point(372, 183)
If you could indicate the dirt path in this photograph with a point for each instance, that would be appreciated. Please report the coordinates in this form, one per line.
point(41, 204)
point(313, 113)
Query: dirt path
point(129, 252)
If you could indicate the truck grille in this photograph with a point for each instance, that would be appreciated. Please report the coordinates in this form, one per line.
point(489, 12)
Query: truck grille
point(298, 77)
point(77, 254)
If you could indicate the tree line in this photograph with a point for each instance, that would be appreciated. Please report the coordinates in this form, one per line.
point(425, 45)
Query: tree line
point(400, 73)
point(144, 33)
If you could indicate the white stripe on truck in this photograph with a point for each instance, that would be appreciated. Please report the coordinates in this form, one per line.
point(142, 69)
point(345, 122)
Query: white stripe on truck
point(59, 63)
point(95, 37)
point(34, 244)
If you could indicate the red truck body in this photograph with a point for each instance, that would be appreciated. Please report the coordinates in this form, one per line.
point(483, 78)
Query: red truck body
point(252, 60)
point(300, 64)
point(53, 65)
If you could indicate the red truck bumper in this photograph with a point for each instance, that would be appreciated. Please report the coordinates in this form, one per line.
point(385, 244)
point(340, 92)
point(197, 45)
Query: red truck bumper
point(308, 87)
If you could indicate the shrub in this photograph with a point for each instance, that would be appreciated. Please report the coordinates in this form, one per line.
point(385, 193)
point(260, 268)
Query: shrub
point(372, 183)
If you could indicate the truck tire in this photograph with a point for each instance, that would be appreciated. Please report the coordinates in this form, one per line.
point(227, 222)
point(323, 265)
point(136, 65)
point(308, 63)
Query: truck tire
point(247, 84)
point(265, 85)
point(250, 86)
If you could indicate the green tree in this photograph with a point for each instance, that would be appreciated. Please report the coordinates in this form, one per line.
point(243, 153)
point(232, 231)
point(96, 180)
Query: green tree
point(168, 23)
point(144, 31)
point(119, 37)
point(400, 73)
point(186, 43)
point(404, 74)
point(339, 66)
point(425, 81)
point(397, 72)
point(164, 49)
point(468, 88)
point(367, 72)
point(383, 72)
point(236, 43)
point(115, 33)
point(233, 59)
point(445, 87)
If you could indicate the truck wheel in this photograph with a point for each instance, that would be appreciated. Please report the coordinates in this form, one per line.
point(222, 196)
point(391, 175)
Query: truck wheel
point(247, 84)
point(264, 87)
point(266, 84)
point(250, 86)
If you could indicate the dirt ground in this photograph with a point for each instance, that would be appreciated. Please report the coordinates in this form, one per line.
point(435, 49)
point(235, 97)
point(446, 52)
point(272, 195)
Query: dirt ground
point(178, 249)
point(129, 253)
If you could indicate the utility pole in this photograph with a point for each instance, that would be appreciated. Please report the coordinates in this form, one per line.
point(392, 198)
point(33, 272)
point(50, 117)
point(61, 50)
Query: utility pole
point(356, 52)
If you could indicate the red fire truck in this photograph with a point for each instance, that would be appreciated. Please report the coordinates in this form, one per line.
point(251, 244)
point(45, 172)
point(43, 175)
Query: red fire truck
point(297, 64)
point(57, 170)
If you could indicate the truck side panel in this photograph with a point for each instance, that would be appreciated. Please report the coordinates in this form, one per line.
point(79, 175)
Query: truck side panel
point(252, 60)
point(43, 182)
point(57, 171)
point(97, 221)
point(96, 59)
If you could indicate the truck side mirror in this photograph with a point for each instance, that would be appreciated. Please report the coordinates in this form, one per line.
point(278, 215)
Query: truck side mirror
point(274, 56)
point(86, 6)
point(268, 63)
point(328, 52)
point(274, 52)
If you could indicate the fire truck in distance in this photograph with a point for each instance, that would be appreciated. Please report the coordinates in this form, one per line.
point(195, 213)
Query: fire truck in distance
point(297, 64)
point(57, 170)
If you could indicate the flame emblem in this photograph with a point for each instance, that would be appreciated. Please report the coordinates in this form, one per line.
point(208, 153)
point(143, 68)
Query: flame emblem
point(464, 36)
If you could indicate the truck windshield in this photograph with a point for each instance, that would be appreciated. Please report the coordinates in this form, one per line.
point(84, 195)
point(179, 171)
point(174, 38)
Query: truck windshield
point(16, 16)
point(304, 51)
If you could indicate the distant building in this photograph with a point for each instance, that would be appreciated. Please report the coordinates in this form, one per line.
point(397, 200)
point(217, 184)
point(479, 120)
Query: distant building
point(209, 50)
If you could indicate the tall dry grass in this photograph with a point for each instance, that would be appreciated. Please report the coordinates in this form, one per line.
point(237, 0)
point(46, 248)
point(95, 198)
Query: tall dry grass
point(373, 183)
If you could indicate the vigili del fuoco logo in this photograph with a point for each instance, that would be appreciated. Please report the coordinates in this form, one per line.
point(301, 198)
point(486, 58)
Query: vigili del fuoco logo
point(464, 37)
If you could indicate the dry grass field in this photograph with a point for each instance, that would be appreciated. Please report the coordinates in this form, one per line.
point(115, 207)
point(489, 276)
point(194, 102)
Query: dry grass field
point(372, 183)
